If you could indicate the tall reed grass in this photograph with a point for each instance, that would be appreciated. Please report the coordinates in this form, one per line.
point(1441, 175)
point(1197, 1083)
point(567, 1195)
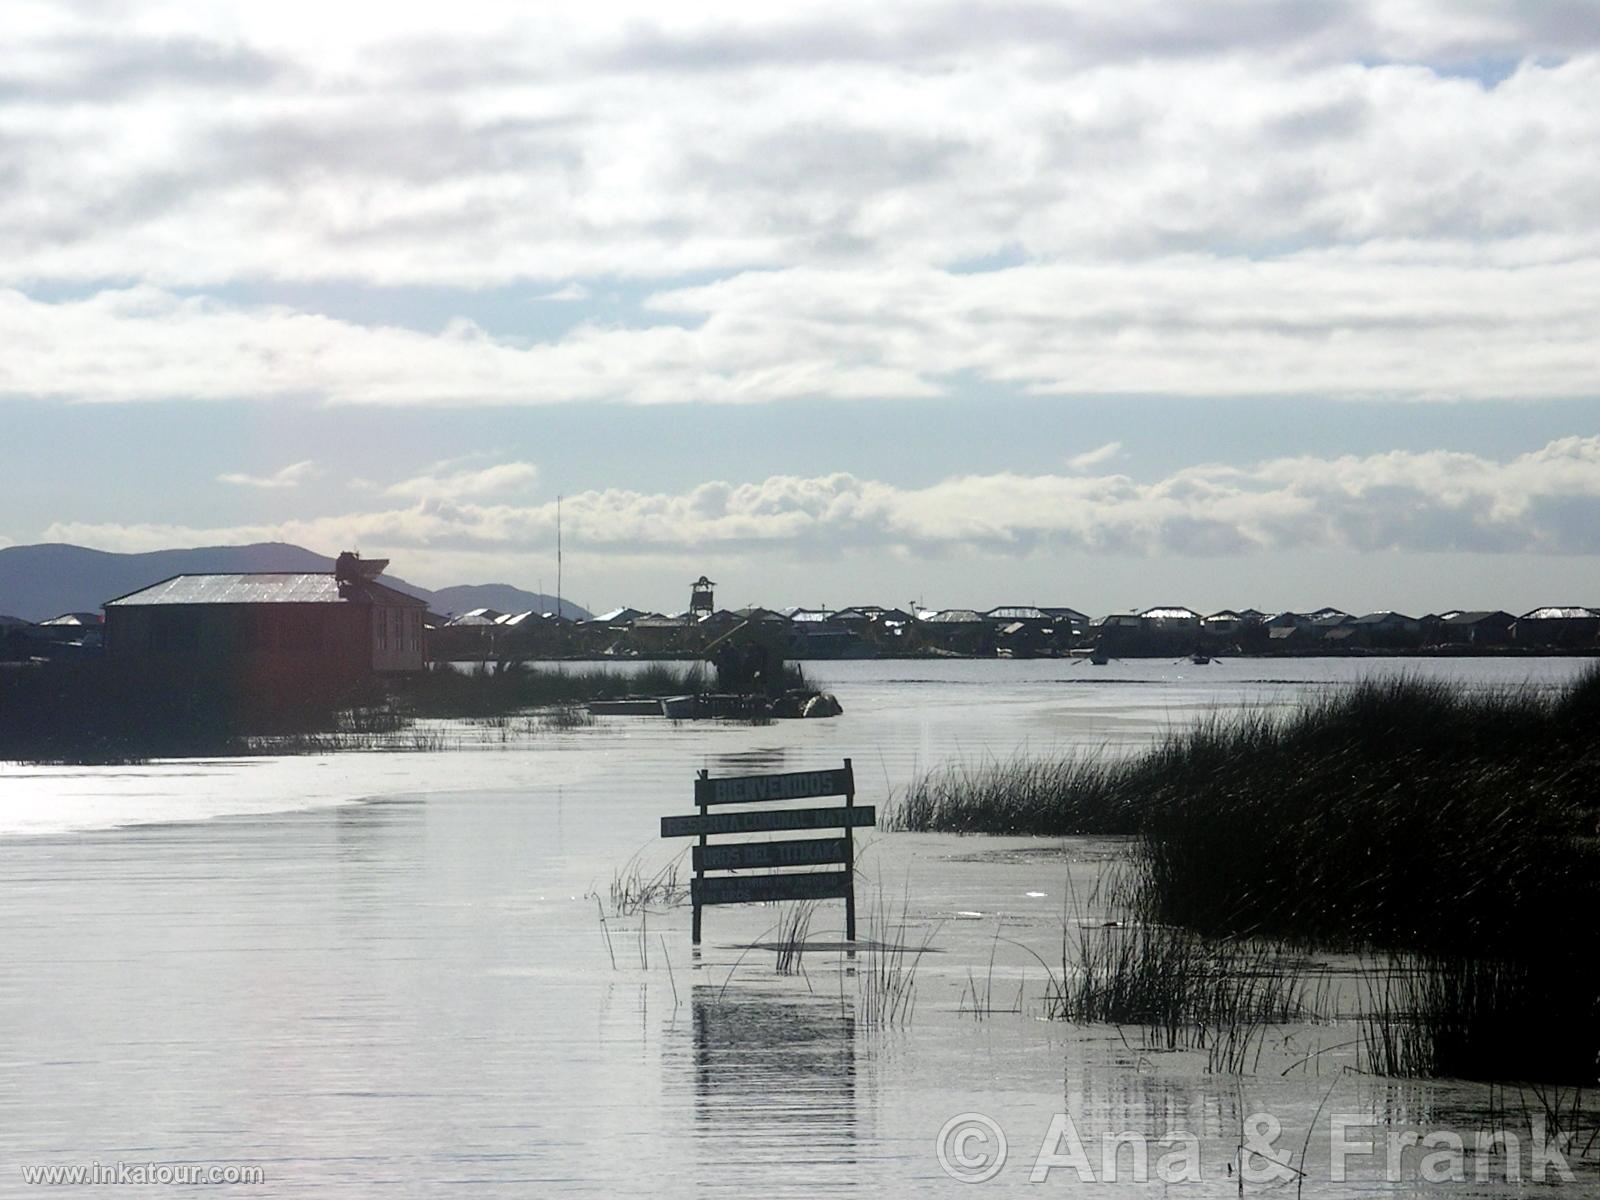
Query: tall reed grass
point(1396, 812)
point(1185, 990)
point(445, 691)
point(1483, 1018)
point(1021, 795)
point(886, 980)
point(100, 712)
point(1460, 828)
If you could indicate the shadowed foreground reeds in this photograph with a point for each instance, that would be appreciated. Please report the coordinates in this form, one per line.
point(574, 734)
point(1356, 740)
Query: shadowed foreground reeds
point(1456, 827)
point(1397, 813)
point(1483, 1018)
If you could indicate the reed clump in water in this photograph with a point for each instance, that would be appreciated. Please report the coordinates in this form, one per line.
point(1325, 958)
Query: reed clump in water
point(635, 889)
point(794, 927)
point(1020, 795)
point(1398, 814)
point(509, 687)
point(566, 716)
point(101, 712)
point(443, 691)
point(1455, 831)
point(886, 979)
point(1428, 1016)
point(1187, 991)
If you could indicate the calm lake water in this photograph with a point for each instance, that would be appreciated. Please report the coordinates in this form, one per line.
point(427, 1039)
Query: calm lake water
point(387, 973)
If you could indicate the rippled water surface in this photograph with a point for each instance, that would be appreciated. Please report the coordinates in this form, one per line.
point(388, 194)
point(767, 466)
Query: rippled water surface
point(388, 973)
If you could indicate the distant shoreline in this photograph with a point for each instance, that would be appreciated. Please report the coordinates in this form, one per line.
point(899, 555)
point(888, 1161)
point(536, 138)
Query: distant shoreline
point(1299, 652)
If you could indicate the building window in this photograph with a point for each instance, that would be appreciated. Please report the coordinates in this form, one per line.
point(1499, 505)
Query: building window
point(383, 630)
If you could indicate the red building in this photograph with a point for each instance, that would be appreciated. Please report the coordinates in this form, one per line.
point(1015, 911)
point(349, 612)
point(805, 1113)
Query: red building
point(342, 624)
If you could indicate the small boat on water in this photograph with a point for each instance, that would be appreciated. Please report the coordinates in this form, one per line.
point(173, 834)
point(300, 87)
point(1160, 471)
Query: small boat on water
point(1199, 659)
point(1099, 658)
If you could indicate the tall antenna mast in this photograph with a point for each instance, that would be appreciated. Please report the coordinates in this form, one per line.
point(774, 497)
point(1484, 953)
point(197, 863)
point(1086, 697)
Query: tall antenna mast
point(558, 558)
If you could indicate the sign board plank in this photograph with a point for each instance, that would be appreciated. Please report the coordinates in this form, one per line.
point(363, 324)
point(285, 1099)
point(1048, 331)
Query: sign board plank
point(769, 821)
point(747, 889)
point(755, 789)
point(742, 856)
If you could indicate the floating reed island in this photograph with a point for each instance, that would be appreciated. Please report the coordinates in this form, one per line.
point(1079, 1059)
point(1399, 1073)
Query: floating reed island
point(1451, 837)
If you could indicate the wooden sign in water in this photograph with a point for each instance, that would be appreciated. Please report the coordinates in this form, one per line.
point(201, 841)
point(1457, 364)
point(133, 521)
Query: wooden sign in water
point(769, 821)
point(793, 852)
point(795, 785)
point(749, 856)
point(746, 889)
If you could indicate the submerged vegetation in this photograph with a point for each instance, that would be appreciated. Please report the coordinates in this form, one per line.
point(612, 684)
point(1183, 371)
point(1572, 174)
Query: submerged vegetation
point(886, 980)
point(633, 890)
point(1455, 830)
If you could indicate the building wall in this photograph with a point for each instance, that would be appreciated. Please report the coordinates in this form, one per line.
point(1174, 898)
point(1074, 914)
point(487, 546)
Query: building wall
point(395, 634)
point(341, 640)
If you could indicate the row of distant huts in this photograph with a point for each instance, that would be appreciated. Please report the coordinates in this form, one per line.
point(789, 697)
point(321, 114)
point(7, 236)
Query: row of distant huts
point(346, 622)
point(1015, 631)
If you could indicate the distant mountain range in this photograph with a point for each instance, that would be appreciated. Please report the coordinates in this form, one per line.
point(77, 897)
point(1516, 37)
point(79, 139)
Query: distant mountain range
point(40, 582)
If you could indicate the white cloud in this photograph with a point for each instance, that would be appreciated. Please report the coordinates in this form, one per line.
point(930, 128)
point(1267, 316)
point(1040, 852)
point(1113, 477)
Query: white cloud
point(1546, 501)
point(205, 143)
point(288, 477)
point(570, 293)
point(1209, 198)
point(1094, 458)
point(1400, 321)
point(438, 483)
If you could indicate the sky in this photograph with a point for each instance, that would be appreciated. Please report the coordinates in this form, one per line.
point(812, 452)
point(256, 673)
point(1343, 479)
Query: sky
point(1096, 304)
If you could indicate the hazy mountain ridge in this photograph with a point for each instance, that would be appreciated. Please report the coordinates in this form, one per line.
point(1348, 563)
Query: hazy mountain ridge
point(42, 581)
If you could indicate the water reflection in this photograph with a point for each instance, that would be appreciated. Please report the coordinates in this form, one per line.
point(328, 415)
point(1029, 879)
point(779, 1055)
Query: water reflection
point(417, 994)
point(753, 761)
point(774, 1091)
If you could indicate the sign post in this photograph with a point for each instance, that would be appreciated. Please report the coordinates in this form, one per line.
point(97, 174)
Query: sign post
point(778, 859)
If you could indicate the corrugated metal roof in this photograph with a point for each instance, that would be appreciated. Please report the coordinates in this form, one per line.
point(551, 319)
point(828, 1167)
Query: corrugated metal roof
point(1059, 612)
point(261, 588)
point(957, 616)
point(1383, 616)
point(659, 622)
point(1574, 613)
point(1472, 617)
